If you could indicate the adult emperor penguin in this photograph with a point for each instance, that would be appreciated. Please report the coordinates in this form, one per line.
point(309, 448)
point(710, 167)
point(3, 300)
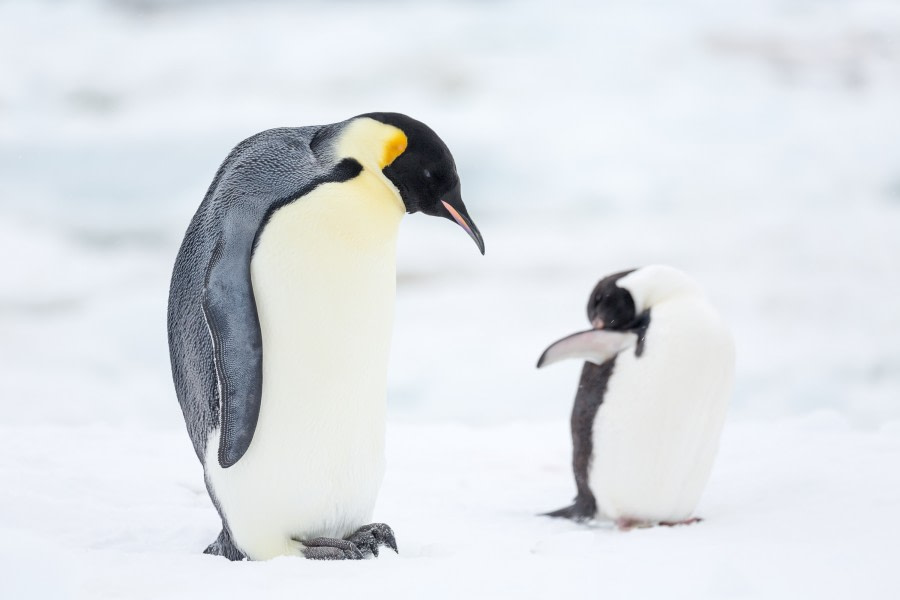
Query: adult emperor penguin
point(651, 401)
point(280, 318)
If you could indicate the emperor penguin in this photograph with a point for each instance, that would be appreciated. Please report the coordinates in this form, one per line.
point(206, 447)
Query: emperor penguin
point(651, 401)
point(279, 320)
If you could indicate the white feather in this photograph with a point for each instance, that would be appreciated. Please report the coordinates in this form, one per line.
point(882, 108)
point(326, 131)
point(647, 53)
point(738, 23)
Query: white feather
point(657, 432)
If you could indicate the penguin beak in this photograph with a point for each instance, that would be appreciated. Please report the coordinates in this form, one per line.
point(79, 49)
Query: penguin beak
point(594, 345)
point(457, 210)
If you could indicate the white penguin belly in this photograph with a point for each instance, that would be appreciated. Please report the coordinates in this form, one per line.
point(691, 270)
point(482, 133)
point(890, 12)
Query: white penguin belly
point(657, 432)
point(324, 281)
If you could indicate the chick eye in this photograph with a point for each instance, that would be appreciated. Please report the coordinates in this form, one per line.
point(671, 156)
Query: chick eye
point(427, 174)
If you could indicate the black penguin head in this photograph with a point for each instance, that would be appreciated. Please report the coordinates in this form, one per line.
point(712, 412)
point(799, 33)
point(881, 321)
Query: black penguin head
point(425, 174)
point(612, 307)
point(622, 301)
point(619, 311)
point(617, 325)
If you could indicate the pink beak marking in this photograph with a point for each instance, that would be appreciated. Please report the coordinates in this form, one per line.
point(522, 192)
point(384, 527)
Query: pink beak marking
point(458, 218)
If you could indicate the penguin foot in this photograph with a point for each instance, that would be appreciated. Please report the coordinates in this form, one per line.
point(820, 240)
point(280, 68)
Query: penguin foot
point(369, 538)
point(323, 548)
point(626, 524)
point(690, 521)
point(363, 542)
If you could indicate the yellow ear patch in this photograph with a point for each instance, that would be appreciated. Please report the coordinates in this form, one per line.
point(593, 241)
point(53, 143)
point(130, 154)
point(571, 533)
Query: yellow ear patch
point(394, 147)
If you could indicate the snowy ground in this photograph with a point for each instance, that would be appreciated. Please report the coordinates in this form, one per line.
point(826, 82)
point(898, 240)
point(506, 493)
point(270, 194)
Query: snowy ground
point(805, 508)
point(753, 144)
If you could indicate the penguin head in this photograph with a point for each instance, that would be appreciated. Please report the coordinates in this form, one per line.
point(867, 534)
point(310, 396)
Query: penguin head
point(610, 306)
point(420, 166)
point(651, 285)
point(619, 311)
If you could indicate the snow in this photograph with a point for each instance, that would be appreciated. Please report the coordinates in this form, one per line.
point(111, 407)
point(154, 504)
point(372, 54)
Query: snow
point(800, 508)
point(751, 144)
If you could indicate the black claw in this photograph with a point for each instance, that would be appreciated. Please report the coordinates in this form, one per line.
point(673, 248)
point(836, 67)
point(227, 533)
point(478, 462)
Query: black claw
point(371, 537)
point(391, 542)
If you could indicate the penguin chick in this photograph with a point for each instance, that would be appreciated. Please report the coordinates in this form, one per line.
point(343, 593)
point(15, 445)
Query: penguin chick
point(280, 317)
point(651, 400)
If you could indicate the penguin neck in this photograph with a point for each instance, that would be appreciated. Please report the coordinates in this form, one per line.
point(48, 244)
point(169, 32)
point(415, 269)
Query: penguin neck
point(373, 145)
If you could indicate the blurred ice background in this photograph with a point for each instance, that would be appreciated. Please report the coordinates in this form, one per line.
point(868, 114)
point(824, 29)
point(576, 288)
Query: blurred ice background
point(754, 144)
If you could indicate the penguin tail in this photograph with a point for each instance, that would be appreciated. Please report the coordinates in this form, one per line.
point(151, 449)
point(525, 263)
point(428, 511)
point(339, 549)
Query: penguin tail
point(224, 546)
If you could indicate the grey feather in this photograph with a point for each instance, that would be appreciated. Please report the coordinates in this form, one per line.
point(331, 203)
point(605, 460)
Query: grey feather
point(214, 336)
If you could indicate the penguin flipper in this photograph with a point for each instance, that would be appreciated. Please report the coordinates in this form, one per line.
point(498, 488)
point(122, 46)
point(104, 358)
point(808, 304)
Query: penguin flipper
point(250, 196)
point(230, 311)
point(594, 345)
